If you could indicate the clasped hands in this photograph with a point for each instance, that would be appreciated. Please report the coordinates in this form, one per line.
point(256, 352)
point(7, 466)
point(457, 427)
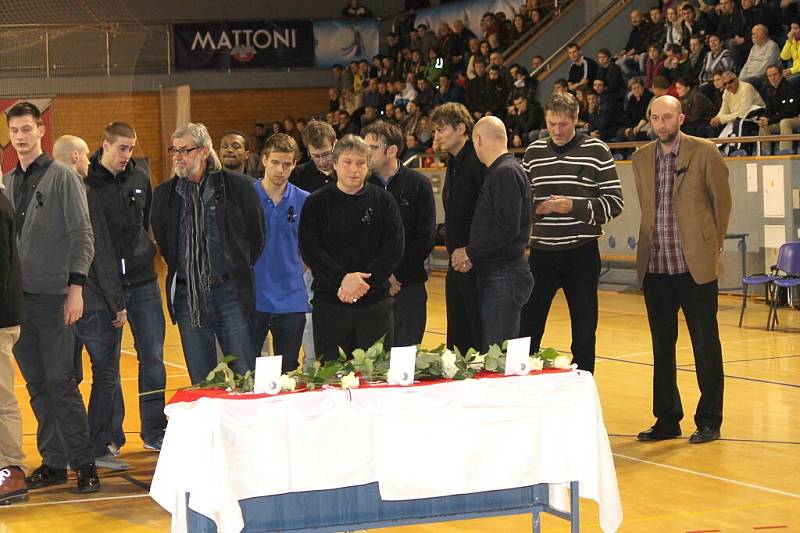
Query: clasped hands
point(353, 287)
point(555, 204)
point(460, 260)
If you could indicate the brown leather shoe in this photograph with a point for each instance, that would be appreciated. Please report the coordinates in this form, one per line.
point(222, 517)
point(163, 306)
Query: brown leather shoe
point(12, 485)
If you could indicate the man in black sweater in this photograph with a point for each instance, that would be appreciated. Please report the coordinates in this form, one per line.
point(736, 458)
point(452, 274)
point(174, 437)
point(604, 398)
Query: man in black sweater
point(414, 196)
point(123, 189)
point(209, 226)
point(351, 237)
point(319, 138)
point(498, 236)
point(463, 182)
point(12, 314)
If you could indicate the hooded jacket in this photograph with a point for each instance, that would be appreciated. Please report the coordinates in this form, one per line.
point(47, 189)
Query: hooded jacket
point(126, 199)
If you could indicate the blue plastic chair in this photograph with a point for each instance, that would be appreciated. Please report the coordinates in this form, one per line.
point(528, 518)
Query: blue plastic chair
point(785, 274)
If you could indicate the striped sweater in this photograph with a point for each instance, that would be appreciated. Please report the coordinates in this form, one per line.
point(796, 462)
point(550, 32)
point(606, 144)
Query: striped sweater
point(582, 170)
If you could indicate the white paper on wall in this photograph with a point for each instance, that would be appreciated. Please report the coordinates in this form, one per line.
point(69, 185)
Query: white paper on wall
point(774, 193)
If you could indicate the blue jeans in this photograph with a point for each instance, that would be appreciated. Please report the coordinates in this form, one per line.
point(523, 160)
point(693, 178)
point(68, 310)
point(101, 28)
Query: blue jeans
point(287, 335)
point(146, 319)
point(102, 341)
point(223, 317)
point(501, 295)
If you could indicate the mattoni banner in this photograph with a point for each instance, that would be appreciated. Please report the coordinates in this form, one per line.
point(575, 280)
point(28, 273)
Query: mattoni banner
point(233, 45)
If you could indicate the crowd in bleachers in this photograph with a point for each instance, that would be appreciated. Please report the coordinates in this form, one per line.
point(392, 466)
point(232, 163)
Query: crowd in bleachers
point(734, 64)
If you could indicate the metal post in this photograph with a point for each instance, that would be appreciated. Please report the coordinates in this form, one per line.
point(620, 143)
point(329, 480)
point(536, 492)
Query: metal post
point(169, 51)
point(47, 51)
point(108, 53)
point(574, 507)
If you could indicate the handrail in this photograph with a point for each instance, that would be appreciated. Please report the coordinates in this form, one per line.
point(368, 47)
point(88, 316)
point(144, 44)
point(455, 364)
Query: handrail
point(533, 30)
point(635, 144)
point(545, 66)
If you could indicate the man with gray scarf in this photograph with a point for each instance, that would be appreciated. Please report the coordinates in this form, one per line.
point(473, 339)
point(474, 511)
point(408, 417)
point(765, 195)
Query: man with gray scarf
point(209, 227)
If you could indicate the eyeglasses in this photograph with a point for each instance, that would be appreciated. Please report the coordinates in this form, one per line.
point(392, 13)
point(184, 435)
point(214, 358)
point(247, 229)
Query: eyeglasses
point(183, 151)
point(320, 157)
point(729, 82)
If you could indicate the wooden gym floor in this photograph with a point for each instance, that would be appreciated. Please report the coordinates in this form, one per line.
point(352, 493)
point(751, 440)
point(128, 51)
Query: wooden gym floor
point(748, 481)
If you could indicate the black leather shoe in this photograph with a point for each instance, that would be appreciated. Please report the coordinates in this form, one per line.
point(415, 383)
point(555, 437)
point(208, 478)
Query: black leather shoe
point(704, 434)
point(87, 479)
point(659, 433)
point(45, 476)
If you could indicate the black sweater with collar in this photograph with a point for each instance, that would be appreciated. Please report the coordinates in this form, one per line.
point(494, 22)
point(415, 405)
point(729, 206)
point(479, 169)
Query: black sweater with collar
point(342, 233)
point(462, 185)
point(414, 197)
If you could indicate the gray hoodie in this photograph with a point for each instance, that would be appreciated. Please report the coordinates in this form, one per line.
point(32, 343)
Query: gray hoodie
point(56, 240)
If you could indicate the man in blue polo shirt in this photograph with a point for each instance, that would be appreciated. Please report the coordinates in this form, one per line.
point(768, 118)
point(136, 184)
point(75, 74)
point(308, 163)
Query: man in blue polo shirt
point(281, 298)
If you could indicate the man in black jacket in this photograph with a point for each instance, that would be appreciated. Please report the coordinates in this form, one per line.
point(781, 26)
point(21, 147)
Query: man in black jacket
point(498, 236)
point(463, 182)
point(351, 237)
point(476, 89)
point(631, 58)
point(414, 196)
point(12, 314)
point(123, 189)
point(209, 226)
point(611, 74)
point(526, 119)
point(104, 314)
point(783, 107)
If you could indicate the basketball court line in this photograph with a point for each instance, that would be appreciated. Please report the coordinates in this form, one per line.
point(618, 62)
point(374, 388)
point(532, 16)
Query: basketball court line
point(174, 365)
point(82, 500)
point(709, 476)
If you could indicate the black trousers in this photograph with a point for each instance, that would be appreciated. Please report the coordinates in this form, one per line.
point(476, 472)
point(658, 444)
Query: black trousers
point(463, 316)
point(350, 326)
point(574, 270)
point(44, 354)
point(664, 294)
point(410, 314)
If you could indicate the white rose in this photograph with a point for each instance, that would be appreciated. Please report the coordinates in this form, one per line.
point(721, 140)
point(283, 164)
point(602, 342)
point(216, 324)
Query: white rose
point(350, 381)
point(288, 383)
point(478, 361)
point(561, 361)
point(449, 364)
point(537, 363)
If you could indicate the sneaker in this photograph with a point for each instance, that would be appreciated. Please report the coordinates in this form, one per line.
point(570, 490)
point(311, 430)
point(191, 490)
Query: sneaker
point(154, 445)
point(45, 476)
point(12, 485)
point(87, 479)
point(114, 450)
point(111, 462)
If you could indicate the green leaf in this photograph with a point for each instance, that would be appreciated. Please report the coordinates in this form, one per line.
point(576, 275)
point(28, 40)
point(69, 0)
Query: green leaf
point(342, 355)
point(548, 354)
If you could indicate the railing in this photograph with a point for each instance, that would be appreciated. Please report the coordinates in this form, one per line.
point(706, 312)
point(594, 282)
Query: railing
point(550, 16)
point(545, 66)
point(416, 159)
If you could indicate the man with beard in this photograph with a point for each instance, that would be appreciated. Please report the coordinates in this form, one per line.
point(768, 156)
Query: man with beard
point(682, 183)
point(209, 226)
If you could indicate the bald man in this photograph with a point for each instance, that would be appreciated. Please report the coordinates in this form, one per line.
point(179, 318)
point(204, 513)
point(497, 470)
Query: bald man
point(683, 189)
point(498, 236)
point(764, 53)
point(104, 314)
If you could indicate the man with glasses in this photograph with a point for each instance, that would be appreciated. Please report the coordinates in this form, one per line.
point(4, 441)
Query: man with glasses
point(209, 226)
point(123, 189)
point(414, 196)
point(281, 297)
point(319, 138)
point(738, 100)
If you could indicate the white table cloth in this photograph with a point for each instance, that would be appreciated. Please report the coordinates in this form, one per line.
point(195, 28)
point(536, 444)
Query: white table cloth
point(449, 438)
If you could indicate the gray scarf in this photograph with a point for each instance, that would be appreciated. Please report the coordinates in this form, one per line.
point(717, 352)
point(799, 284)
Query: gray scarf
point(198, 272)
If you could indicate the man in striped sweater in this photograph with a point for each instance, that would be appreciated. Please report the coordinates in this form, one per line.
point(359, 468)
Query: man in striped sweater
point(575, 191)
